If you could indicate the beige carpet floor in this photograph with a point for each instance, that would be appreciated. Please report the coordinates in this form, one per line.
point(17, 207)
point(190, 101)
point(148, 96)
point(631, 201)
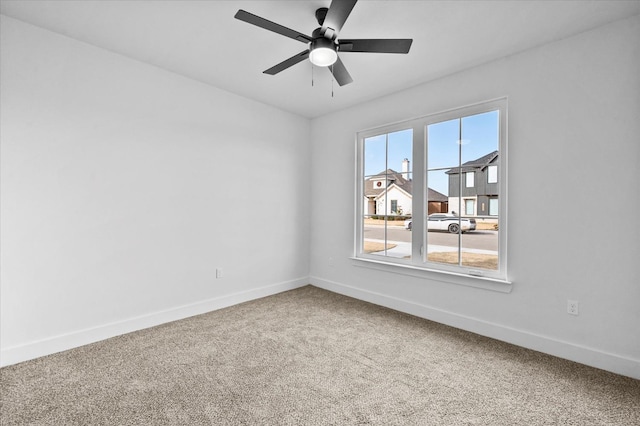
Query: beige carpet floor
point(311, 357)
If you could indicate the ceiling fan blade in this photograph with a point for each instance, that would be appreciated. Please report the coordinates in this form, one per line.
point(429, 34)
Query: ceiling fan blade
point(338, 13)
point(400, 45)
point(271, 26)
point(287, 63)
point(340, 73)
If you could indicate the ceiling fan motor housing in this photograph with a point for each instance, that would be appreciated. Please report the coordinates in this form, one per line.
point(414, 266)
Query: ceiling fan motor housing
point(323, 42)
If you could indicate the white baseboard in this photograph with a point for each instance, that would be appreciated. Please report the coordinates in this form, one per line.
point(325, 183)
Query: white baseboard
point(31, 350)
point(581, 354)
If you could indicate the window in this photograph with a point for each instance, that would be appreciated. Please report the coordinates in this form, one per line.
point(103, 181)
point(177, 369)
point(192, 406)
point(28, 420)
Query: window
point(470, 179)
point(436, 216)
point(470, 207)
point(386, 167)
point(492, 174)
point(493, 207)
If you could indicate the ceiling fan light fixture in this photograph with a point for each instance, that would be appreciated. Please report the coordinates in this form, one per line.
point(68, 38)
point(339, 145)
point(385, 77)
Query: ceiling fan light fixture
point(323, 52)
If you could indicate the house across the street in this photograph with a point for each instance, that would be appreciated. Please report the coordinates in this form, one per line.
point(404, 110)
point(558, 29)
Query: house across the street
point(389, 192)
point(479, 187)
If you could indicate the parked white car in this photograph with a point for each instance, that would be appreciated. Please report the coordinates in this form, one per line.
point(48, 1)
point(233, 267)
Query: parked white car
point(446, 222)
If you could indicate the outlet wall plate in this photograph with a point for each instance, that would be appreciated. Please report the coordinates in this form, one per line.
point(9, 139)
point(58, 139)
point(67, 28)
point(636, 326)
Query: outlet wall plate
point(572, 307)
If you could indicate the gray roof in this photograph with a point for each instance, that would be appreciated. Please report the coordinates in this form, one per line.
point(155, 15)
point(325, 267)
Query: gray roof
point(393, 178)
point(479, 163)
point(402, 183)
point(434, 195)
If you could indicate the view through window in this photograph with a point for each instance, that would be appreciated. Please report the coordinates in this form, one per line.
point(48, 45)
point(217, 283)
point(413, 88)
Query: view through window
point(387, 198)
point(443, 211)
point(462, 160)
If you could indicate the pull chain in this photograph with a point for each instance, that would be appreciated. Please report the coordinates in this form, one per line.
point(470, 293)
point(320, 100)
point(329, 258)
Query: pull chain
point(332, 78)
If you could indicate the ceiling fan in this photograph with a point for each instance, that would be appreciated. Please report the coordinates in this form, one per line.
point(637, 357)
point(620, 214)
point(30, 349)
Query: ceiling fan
point(324, 43)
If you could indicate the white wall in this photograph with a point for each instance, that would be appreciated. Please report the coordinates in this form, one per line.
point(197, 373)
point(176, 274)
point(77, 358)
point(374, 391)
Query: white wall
point(124, 187)
point(573, 141)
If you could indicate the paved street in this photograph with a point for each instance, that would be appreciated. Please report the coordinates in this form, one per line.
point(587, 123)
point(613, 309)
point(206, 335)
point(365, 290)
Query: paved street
point(482, 240)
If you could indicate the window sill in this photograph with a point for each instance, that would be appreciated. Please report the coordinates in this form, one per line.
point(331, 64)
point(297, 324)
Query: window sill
point(486, 283)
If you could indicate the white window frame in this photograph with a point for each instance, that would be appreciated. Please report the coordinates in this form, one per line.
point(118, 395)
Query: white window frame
point(417, 265)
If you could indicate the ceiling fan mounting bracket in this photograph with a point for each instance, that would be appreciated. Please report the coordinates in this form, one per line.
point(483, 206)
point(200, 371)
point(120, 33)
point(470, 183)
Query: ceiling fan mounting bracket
point(321, 13)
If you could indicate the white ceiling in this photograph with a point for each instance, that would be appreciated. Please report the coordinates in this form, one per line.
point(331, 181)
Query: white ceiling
point(203, 41)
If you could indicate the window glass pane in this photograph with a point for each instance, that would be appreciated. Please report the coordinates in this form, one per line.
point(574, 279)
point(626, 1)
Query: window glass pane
point(470, 179)
point(443, 191)
point(470, 207)
point(479, 247)
point(441, 246)
point(375, 155)
point(443, 148)
point(459, 153)
point(388, 194)
point(401, 151)
point(493, 207)
point(443, 242)
point(438, 200)
point(492, 174)
point(479, 135)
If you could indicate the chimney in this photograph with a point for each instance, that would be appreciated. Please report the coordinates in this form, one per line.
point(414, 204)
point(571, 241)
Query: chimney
point(405, 169)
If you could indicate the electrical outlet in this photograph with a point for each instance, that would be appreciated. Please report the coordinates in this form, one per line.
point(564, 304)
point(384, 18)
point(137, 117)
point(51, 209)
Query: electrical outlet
point(218, 272)
point(572, 307)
